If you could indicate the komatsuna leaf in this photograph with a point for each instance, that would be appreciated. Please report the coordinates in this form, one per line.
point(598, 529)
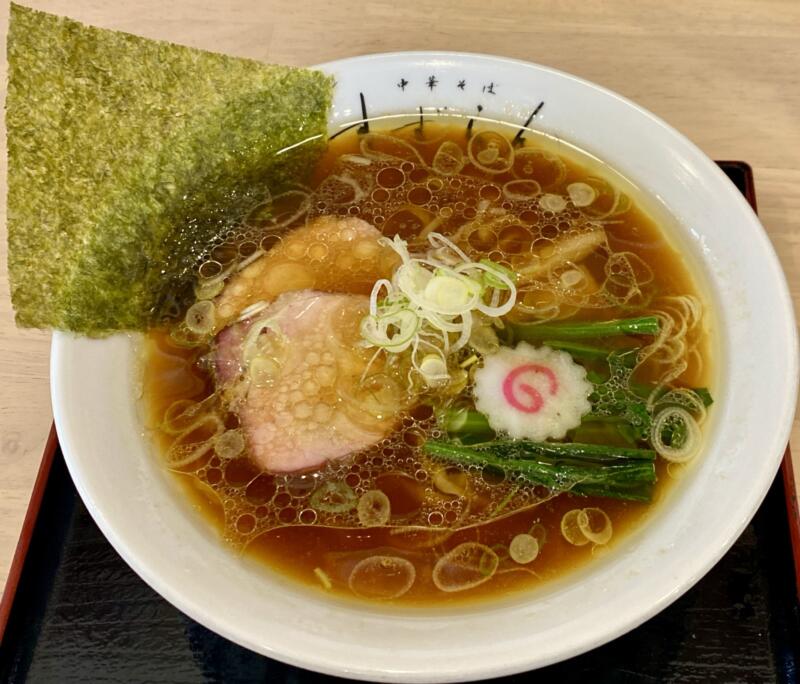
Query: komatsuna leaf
point(128, 156)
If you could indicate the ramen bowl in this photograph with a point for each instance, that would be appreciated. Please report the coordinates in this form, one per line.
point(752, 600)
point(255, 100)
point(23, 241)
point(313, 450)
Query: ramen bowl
point(95, 388)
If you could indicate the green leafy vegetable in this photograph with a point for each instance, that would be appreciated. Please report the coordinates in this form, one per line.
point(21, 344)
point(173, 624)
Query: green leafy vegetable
point(580, 330)
point(464, 421)
point(471, 426)
point(612, 430)
point(619, 396)
point(614, 396)
point(616, 399)
point(628, 357)
point(587, 469)
point(565, 452)
point(128, 156)
point(584, 352)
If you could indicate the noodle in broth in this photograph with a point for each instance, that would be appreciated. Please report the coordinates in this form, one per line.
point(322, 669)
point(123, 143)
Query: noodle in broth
point(395, 521)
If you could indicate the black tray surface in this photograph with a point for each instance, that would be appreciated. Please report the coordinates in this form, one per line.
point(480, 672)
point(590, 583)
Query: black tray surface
point(80, 614)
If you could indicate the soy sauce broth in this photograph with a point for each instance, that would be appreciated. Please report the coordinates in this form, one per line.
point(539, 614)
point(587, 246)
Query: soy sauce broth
point(322, 557)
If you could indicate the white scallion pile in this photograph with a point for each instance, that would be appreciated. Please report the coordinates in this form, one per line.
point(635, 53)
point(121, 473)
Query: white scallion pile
point(429, 303)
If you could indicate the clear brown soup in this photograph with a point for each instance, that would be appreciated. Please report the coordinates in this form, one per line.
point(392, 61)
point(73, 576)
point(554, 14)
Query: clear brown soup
point(230, 493)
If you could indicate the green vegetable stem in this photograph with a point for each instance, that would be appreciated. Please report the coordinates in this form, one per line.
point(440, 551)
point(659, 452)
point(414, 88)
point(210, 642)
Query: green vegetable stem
point(586, 469)
point(581, 330)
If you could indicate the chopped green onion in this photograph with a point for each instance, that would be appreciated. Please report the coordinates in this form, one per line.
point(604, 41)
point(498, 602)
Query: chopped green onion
point(322, 576)
point(468, 362)
point(682, 431)
point(493, 269)
point(431, 302)
point(392, 331)
point(433, 369)
point(523, 549)
point(333, 497)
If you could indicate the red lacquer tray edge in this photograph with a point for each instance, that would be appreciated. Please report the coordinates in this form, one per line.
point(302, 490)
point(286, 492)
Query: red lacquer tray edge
point(28, 525)
point(790, 491)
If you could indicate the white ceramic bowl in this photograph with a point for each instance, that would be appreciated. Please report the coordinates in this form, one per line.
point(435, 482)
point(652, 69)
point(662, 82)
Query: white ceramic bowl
point(133, 500)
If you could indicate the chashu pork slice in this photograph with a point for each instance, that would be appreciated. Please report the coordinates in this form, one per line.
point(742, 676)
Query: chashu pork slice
point(293, 374)
point(334, 254)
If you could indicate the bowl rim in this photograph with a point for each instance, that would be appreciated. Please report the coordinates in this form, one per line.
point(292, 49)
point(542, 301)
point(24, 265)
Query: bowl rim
point(699, 566)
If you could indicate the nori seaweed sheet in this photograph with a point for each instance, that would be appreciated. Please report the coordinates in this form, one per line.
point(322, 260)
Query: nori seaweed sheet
point(127, 157)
